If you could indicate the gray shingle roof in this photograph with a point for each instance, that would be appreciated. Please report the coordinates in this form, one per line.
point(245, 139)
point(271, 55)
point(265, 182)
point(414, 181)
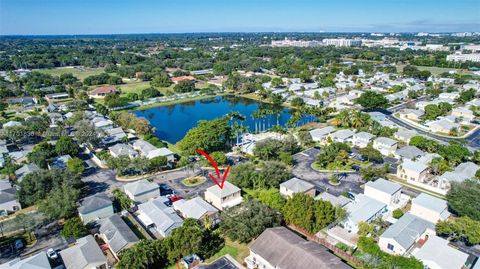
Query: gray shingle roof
point(409, 152)
point(164, 218)
point(430, 202)
point(297, 185)
point(94, 202)
point(407, 229)
point(84, 253)
point(284, 249)
point(228, 189)
point(363, 208)
point(385, 186)
point(141, 187)
point(8, 195)
point(462, 172)
point(322, 132)
point(25, 170)
point(194, 208)
point(37, 261)
point(334, 200)
point(117, 232)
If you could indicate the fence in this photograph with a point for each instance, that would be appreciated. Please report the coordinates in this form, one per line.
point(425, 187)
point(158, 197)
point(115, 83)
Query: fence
point(337, 251)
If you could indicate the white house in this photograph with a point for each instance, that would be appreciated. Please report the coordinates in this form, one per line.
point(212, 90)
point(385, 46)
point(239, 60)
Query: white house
point(342, 136)
point(122, 150)
point(362, 139)
point(385, 145)
point(363, 208)
point(320, 134)
point(443, 126)
point(156, 215)
point(436, 253)
point(429, 208)
point(384, 191)
point(295, 185)
point(464, 113)
point(412, 171)
point(198, 209)
point(399, 238)
point(150, 151)
point(462, 172)
point(228, 196)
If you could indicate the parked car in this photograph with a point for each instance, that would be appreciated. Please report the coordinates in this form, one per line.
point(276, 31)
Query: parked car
point(174, 198)
point(165, 190)
point(19, 244)
point(52, 254)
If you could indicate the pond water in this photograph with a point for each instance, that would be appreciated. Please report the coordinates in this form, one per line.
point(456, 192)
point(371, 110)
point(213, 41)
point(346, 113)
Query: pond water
point(173, 122)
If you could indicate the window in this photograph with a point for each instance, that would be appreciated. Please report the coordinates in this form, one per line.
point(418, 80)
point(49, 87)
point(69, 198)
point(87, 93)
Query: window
point(390, 247)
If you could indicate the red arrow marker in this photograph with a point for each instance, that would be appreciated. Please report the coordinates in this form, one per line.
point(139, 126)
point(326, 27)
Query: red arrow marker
point(214, 164)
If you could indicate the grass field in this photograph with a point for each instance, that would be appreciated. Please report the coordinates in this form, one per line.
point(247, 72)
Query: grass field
point(237, 250)
point(436, 70)
point(77, 72)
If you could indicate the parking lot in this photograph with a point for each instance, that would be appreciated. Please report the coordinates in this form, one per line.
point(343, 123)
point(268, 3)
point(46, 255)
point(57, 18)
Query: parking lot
point(350, 182)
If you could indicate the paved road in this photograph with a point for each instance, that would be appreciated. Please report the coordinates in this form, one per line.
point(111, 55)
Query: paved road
point(303, 170)
point(473, 140)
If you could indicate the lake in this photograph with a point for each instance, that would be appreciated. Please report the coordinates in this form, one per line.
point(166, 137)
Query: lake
point(172, 122)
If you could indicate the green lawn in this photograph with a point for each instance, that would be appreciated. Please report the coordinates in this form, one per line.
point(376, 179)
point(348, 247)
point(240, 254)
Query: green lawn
point(238, 251)
point(79, 73)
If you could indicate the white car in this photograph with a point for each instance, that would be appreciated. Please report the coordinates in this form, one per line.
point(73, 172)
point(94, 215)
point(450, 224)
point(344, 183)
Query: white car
point(52, 254)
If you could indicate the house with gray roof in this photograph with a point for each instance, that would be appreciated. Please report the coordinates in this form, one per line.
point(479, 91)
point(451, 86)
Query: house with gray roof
point(113, 135)
point(342, 136)
point(121, 149)
point(198, 209)
point(334, 200)
point(155, 215)
point(60, 162)
point(320, 134)
point(84, 254)
point(116, 233)
point(412, 171)
point(25, 170)
point(296, 185)
point(384, 191)
point(442, 126)
point(150, 151)
point(281, 248)
point(461, 173)
point(362, 139)
point(436, 252)
point(142, 190)
point(8, 201)
point(385, 145)
point(429, 208)
point(399, 238)
point(95, 207)
point(228, 196)
point(37, 261)
point(362, 209)
point(404, 135)
point(409, 152)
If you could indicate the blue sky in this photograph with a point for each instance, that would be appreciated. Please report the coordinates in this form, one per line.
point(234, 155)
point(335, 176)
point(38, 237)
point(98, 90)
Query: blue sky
point(166, 16)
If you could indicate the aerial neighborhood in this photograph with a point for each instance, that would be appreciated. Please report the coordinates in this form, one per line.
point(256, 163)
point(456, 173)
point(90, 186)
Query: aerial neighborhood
point(325, 150)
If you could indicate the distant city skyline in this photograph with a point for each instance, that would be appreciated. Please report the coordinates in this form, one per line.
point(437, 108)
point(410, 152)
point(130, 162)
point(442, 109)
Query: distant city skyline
point(56, 17)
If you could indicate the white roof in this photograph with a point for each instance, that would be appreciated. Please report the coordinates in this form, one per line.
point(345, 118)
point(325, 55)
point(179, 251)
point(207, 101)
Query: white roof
point(322, 132)
point(141, 187)
point(436, 253)
point(297, 185)
point(343, 134)
point(417, 167)
point(364, 208)
point(194, 208)
point(386, 141)
point(384, 186)
point(430, 202)
point(156, 212)
point(227, 190)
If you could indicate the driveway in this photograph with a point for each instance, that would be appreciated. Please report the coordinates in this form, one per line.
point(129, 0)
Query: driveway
point(350, 182)
point(174, 180)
